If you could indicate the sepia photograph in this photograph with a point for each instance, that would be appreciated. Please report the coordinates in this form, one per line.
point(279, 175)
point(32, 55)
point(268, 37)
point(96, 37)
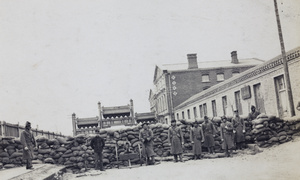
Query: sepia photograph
point(149, 90)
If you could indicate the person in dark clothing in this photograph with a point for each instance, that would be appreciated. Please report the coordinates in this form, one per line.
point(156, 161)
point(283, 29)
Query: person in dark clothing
point(28, 142)
point(146, 137)
point(209, 134)
point(98, 144)
point(253, 114)
point(227, 136)
point(176, 141)
point(239, 130)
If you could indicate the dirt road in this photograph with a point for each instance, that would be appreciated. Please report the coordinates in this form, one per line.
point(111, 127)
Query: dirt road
point(279, 162)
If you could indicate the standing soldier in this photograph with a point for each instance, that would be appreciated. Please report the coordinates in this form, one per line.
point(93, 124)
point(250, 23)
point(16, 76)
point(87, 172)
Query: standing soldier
point(197, 138)
point(98, 144)
point(239, 130)
point(146, 137)
point(176, 140)
point(209, 134)
point(28, 142)
point(227, 136)
point(253, 114)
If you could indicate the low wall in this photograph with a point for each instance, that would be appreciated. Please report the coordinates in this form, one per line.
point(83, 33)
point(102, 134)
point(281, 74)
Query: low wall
point(77, 154)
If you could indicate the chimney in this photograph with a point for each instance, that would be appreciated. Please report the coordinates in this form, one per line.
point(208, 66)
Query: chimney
point(234, 58)
point(192, 60)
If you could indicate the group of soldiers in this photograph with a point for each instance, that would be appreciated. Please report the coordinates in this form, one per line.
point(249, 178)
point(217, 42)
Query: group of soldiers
point(231, 131)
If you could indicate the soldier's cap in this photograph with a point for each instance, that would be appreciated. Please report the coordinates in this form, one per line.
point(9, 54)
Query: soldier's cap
point(27, 123)
point(173, 121)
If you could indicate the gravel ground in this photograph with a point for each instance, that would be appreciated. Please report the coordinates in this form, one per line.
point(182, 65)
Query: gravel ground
point(278, 162)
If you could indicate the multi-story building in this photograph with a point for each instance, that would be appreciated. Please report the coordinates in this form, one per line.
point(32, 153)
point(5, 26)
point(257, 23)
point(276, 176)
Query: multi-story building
point(175, 83)
point(262, 86)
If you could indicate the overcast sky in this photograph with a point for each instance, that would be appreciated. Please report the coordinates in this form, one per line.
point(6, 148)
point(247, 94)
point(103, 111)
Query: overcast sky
point(63, 56)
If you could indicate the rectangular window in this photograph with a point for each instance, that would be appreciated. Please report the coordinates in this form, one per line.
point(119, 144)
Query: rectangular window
point(220, 77)
point(238, 104)
point(205, 78)
point(195, 112)
point(224, 103)
point(214, 108)
point(201, 111)
point(177, 116)
point(183, 115)
point(204, 109)
point(189, 114)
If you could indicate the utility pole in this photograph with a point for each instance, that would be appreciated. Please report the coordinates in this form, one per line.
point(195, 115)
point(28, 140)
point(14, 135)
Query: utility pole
point(285, 64)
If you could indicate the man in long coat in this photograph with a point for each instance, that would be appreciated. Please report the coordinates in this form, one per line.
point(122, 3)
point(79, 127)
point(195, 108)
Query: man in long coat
point(28, 142)
point(253, 114)
point(176, 140)
point(98, 143)
point(209, 134)
point(146, 137)
point(227, 136)
point(197, 138)
point(239, 130)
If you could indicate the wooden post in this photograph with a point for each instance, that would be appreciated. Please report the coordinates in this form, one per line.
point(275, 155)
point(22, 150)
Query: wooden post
point(285, 64)
point(18, 129)
point(2, 128)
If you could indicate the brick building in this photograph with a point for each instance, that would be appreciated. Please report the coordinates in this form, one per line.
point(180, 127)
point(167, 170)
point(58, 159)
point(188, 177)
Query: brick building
point(175, 83)
point(262, 86)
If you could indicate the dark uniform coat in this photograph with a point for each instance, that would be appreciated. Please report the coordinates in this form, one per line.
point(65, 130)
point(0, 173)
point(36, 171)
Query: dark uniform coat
point(146, 137)
point(197, 136)
point(209, 132)
point(239, 126)
point(175, 138)
point(27, 140)
point(227, 135)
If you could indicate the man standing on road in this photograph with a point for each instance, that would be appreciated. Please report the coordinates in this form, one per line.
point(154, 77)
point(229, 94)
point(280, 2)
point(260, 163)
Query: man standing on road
point(28, 142)
point(227, 136)
point(209, 134)
point(197, 138)
point(146, 137)
point(98, 144)
point(176, 140)
point(253, 114)
point(239, 130)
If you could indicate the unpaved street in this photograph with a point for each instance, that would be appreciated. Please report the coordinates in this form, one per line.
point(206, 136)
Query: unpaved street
point(279, 162)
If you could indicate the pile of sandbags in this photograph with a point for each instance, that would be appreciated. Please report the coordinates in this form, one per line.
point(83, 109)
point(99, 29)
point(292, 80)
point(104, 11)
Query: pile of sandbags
point(270, 130)
point(11, 152)
point(77, 154)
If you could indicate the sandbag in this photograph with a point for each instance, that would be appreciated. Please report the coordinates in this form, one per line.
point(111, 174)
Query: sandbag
point(16, 154)
point(44, 151)
point(8, 166)
point(262, 115)
point(259, 121)
point(61, 149)
point(259, 126)
point(49, 161)
point(4, 154)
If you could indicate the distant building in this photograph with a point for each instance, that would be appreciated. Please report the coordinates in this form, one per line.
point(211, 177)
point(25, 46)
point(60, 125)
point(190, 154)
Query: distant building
point(109, 117)
point(175, 83)
point(262, 86)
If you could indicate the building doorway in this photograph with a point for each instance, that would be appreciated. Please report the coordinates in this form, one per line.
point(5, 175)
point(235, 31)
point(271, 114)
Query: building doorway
point(281, 96)
point(259, 100)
